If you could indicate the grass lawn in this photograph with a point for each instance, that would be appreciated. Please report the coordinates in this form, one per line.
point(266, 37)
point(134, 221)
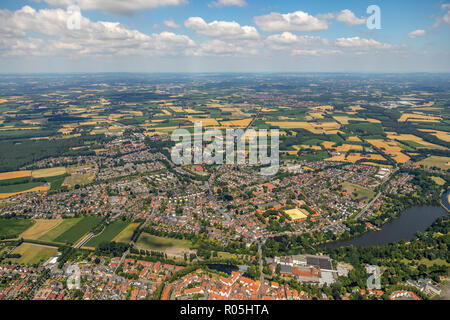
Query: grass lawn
point(357, 191)
point(32, 253)
point(41, 227)
point(78, 230)
point(110, 232)
point(151, 242)
point(127, 233)
point(54, 233)
point(14, 227)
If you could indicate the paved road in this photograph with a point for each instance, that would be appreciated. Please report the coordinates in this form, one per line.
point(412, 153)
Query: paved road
point(84, 240)
point(261, 277)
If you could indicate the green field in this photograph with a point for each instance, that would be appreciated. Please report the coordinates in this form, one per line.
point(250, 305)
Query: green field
point(78, 230)
point(127, 233)
point(357, 191)
point(14, 227)
point(110, 232)
point(151, 242)
point(32, 253)
point(19, 187)
point(54, 233)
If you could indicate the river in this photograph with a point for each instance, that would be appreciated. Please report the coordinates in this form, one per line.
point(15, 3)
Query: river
point(404, 227)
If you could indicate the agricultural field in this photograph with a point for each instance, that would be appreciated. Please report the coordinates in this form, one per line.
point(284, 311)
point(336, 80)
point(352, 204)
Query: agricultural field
point(51, 172)
point(40, 228)
point(14, 227)
point(168, 245)
point(418, 117)
point(58, 230)
point(435, 161)
point(108, 234)
point(78, 230)
point(32, 253)
point(126, 234)
point(14, 174)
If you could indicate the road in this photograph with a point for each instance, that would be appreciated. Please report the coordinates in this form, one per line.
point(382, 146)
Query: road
point(84, 240)
point(261, 277)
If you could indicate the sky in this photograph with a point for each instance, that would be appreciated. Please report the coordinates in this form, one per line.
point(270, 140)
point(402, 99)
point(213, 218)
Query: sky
point(47, 36)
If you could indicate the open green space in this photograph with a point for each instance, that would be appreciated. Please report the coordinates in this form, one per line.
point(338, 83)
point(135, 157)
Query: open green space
point(108, 234)
point(14, 227)
point(32, 253)
point(78, 230)
point(151, 242)
point(54, 233)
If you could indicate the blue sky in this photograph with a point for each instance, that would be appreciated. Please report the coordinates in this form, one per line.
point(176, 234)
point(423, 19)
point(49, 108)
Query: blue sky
point(234, 35)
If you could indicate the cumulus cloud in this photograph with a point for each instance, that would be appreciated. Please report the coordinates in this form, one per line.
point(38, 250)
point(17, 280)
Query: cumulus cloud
point(221, 29)
point(124, 7)
point(349, 18)
point(298, 21)
point(227, 3)
point(416, 33)
point(171, 24)
point(93, 38)
point(361, 44)
point(288, 40)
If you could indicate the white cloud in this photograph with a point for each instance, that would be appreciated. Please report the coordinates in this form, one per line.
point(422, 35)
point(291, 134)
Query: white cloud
point(288, 40)
point(298, 21)
point(349, 18)
point(221, 29)
point(93, 38)
point(227, 3)
point(314, 52)
point(416, 33)
point(361, 43)
point(125, 7)
point(171, 24)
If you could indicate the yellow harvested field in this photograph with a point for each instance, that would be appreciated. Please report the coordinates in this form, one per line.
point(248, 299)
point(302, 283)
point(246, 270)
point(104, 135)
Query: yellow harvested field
point(323, 108)
point(15, 174)
point(346, 119)
point(50, 172)
point(442, 135)
point(348, 147)
point(438, 180)
point(354, 139)
point(310, 147)
point(435, 161)
point(177, 109)
point(413, 138)
point(356, 108)
point(376, 164)
point(297, 214)
point(328, 144)
point(36, 189)
point(289, 152)
point(353, 157)
point(39, 228)
point(3, 100)
point(418, 117)
point(313, 127)
point(236, 123)
point(207, 122)
point(391, 148)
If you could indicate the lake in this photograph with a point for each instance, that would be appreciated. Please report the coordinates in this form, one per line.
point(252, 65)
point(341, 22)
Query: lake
point(404, 227)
